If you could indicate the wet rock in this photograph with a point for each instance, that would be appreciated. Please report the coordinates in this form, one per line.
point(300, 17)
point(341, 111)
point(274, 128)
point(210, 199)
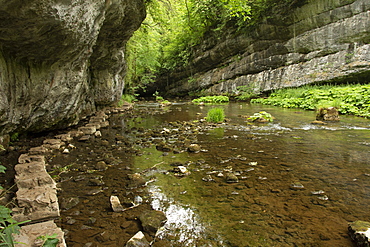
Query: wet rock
point(95, 182)
point(195, 148)
point(152, 220)
point(91, 221)
point(163, 147)
point(318, 122)
point(327, 114)
point(84, 138)
point(138, 240)
point(88, 130)
point(68, 203)
point(359, 232)
point(94, 192)
point(53, 143)
point(296, 186)
point(136, 180)
point(231, 178)
point(101, 166)
point(116, 204)
point(181, 171)
point(208, 178)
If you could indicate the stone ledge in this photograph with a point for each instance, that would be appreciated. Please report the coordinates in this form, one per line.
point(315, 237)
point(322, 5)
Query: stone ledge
point(29, 234)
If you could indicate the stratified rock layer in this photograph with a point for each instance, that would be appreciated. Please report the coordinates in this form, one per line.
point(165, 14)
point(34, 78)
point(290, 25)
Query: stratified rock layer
point(61, 59)
point(320, 41)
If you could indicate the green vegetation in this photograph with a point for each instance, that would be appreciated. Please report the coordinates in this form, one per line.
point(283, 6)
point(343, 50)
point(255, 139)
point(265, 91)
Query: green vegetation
point(126, 98)
point(49, 241)
point(261, 116)
point(173, 31)
point(8, 226)
point(215, 115)
point(349, 99)
point(246, 92)
point(212, 99)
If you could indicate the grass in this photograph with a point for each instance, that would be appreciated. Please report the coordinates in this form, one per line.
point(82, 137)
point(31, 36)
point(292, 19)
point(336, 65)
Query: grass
point(215, 115)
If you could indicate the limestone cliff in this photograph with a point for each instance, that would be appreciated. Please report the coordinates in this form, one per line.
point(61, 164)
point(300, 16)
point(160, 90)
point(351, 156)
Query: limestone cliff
point(60, 59)
point(318, 41)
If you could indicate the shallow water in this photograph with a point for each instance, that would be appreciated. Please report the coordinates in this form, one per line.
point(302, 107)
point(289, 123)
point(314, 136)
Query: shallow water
point(299, 184)
point(264, 208)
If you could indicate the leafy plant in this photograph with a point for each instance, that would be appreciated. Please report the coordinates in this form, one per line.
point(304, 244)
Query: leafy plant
point(261, 116)
point(8, 226)
point(215, 115)
point(349, 99)
point(49, 241)
point(212, 99)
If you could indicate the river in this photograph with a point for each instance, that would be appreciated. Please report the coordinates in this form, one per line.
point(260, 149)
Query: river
point(298, 184)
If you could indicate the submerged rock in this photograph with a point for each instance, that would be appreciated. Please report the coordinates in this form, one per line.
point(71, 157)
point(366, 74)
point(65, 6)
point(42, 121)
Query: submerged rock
point(152, 220)
point(231, 178)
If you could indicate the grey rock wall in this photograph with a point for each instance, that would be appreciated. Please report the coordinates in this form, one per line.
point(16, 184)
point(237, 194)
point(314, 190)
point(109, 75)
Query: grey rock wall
point(61, 59)
point(321, 41)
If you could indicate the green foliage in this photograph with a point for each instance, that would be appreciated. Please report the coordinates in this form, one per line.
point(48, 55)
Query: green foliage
point(173, 30)
point(126, 98)
point(49, 241)
point(8, 226)
point(349, 99)
point(212, 99)
point(261, 116)
point(14, 137)
point(215, 115)
point(246, 92)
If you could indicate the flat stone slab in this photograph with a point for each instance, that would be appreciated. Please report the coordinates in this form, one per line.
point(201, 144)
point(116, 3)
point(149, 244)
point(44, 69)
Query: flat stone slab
point(40, 179)
point(88, 130)
point(30, 168)
point(39, 202)
point(27, 158)
point(29, 234)
point(65, 137)
point(38, 150)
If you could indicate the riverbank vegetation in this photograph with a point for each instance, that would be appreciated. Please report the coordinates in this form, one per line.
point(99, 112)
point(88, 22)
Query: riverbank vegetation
point(217, 99)
point(349, 99)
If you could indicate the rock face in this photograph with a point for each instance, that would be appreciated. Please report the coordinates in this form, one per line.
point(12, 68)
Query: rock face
point(319, 41)
point(60, 60)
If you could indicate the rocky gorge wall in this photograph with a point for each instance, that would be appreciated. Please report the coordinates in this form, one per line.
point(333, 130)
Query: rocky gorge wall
point(316, 42)
point(61, 59)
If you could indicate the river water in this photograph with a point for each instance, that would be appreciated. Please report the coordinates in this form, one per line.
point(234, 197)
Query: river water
point(298, 184)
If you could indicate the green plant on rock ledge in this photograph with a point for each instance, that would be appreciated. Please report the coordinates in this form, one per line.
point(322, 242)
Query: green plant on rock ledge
point(49, 241)
point(215, 115)
point(261, 116)
point(211, 99)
